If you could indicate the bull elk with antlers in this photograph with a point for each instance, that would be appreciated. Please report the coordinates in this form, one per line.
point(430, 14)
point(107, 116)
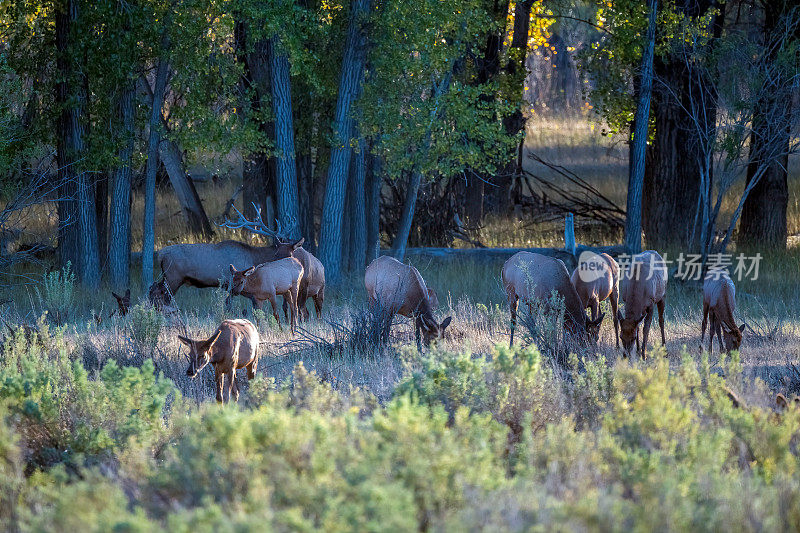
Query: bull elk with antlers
point(204, 265)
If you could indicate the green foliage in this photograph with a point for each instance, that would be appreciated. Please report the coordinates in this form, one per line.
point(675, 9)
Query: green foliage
point(57, 294)
point(145, 323)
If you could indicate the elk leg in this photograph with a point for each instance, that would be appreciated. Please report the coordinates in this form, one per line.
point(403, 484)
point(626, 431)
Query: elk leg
point(660, 306)
point(594, 307)
point(705, 322)
point(417, 326)
point(645, 331)
point(614, 311)
point(274, 301)
point(713, 330)
point(302, 298)
point(220, 380)
point(292, 297)
point(513, 303)
point(285, 308)
point(251, 367)
point(719, 336)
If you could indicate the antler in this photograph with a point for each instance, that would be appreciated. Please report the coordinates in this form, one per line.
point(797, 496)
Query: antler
point(256, 225)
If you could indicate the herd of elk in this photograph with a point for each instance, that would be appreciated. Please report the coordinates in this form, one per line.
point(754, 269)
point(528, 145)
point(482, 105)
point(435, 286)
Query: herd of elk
point(394, 288)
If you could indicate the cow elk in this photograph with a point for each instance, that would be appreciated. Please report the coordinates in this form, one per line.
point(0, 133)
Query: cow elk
point(719, 305)
point(529, 277)
point(123, 302)
point(596, 279)
point(396, 288)
point(642, 288)
point(268, 281)
point(311, 286)
point(233, 346)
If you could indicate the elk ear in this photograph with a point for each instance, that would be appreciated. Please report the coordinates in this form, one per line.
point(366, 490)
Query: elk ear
point(184, 340)
point(210, 342)
point(741, 328)
point(445, 323)
point(128, 293)
point(115, 295)
point(233, 270)
point(780, 401)
point(620, 316)
point(249, 271)
point(298, 244)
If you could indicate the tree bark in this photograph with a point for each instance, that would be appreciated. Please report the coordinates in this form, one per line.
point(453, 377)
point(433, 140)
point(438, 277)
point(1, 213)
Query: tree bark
point(148, 234)
point(288, 202)
point(374, 182)
point(671, 184)
point(358, 231)
point(633, 223)
point(119, 251)
point(330, 246)
point(71, 95)
point(407, 217)
point(184, 189)
point(305, 183)
point(763, 220)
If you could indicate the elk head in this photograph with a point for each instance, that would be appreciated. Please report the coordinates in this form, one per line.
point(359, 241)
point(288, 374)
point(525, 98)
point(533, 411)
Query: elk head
point(284, 249)
point(733, 337)
point(628, 332)
point(431, 330)
point(199, 352)
point(123, 302)
point(593, 328)
point(239, 278)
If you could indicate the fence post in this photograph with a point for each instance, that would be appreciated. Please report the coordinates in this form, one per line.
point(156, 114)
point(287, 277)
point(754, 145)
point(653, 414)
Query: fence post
point(569, 234)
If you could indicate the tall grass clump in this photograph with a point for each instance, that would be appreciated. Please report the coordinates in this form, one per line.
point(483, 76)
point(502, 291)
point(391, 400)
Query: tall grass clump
point(145, 324)
point(56, 294)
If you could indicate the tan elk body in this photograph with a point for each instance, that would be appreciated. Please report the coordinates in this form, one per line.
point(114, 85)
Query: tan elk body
point(312, 285)
point(529, 276)
point(719, 304)
point(268, 281)
point(596, 279)
point(400, 289)
point(642, 288)
point(233, 346)
point(204, 265)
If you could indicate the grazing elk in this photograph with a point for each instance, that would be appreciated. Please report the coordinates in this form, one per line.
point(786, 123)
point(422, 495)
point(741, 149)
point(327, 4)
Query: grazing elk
point(596, 279)
point(233, 346)
point(642, 287)
point(719, 304)
point(399, 289)
point(204, 265)
point(267, 281)
point(123, 302)
point(528, 276)
point(311, 286)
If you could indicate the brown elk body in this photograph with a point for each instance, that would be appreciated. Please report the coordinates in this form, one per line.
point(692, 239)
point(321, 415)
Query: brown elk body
point(642, 288)
point(530, 276)
point(123, 302)
point(204, 265)
point(233, 346)
point(399, 289)
point(595, 280)
point(311, 286)
point(719, 304)
point(268, 281)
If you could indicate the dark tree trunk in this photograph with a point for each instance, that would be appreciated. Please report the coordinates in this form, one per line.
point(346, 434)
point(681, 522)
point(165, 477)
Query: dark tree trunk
point(358, 230)
point(184, 189)
point(101, 210)
point(154, 137)
point(305, 182)
point(347, 223)
point(330, 246)
point(763, 220)
point(374, 182)
point(671, 183)
point(633, 224)
point(288, 202)
point(407, 217)
point(119, 251)
point(72, 97)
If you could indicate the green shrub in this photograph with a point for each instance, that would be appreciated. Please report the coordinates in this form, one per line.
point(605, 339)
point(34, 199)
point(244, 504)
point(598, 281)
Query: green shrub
point(145, 323)
point(56, 294)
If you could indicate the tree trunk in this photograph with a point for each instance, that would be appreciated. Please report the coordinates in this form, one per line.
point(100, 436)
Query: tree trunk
point(305, 183)
point(358, 231)
point(154, 137)
point(633, 224)
point(65, 155)
point(671, 184)
point(288, 202)
point(101, 210)
point(330, 246)
point(347, 224)
point(763, 220)
point(119, 251)
point(374, 182)
point(407, 217)
point(72, 97)
point(184, 189)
